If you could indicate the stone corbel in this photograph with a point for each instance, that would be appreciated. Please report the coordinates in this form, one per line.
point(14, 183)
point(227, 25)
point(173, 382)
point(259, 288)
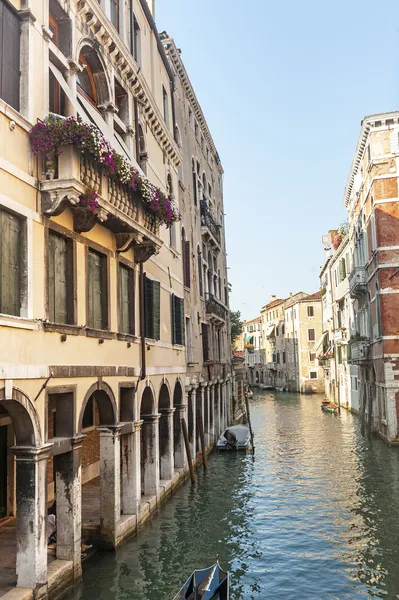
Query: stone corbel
point(124, 241)
point(54, 202)
point(144, 251)
point(47, 34)
point(84, 219)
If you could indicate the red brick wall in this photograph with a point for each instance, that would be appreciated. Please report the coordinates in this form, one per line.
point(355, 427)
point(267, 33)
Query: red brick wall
point(91, 443)
point(387, 223)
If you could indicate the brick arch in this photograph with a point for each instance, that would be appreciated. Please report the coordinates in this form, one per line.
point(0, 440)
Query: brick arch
point(106, 404)
point(24, 417)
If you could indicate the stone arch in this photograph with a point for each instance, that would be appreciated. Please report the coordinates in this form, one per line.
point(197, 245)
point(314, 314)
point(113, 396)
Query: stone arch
point(106, 404)
point(147, 402)
point(24, 417)
point(164, 396)
point(99, 70)
point(178, 397)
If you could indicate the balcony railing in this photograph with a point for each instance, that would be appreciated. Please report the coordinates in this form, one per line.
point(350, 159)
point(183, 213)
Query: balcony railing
point(214, 308)
point(359, 351)
point(272, 366)
point(357, 282)
point(119, 209)
point(340, 335)
point(208, 221)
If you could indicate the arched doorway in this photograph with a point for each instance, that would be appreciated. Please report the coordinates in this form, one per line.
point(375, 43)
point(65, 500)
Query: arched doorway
point(166, 462)
point(178, 415)
point(149, 444)
point(24, 469)
point(101, 462)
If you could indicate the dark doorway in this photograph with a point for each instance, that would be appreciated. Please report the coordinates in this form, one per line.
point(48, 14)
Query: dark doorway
point(3, 471)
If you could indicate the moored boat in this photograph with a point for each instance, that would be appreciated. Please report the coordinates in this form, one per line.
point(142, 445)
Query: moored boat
point(329, 407)
point(236, 437)
point(206, 584)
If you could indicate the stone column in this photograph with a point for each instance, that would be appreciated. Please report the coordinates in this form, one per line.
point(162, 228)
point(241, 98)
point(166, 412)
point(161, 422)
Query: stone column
point(217, 410)
point(166, 431)
point(131, 488)
point(74, 68)
point(212, 412)
point(192, 411)
point(27, 63)
point(179, 448)
point(200, 415)
point(110, 484)
point(69, 506)
point(206, 415)
point(31, 494)
point(150, 454)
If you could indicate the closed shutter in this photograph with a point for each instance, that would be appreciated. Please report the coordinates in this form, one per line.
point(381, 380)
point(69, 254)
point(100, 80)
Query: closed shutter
point(172, 318)
point(96, 291)
point(186, 263)
point(9, 55)
point(125, 299)
point(205, 343)
point(152, 308)
point(10, 259)
point(178, 320)
point(57, 279)
point(201, 289)
point(156, 289)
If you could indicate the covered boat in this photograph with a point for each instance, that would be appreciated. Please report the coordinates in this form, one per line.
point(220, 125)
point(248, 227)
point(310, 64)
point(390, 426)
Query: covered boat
point(329, 407)
point(206, 584)
point(236, 437)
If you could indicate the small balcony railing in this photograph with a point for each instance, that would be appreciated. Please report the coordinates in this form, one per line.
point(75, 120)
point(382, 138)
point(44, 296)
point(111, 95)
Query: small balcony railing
point(359, 351)
point(357, 282)
point(214, 308)
point(208, 222)
point(272, 366)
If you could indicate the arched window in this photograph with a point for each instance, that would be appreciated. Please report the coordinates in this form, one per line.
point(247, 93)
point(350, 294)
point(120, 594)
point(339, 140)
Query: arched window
point(186, 259)
point(204, 186)
point(85, 81)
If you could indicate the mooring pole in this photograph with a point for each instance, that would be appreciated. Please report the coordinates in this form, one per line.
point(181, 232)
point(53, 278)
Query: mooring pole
point(249, 425)
point(188, 450)
point(202, 438)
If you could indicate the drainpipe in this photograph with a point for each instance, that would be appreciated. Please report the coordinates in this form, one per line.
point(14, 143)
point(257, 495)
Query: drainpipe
point(172, 99)
point(136, 129)
point(142, 322)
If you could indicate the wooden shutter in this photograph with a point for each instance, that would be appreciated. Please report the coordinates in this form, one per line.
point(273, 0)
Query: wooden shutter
point(58, 279)
point(205, 343)
point(124, 299)
point(186, 263)
point(10, 259)
point(178, 320)
point(96, 297)
point(9, 55)
point(148, 308)
point(173, 318)
point(201, 289)
point(156, 295)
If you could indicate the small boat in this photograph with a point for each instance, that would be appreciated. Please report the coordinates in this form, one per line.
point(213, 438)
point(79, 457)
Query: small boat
point(329, 407)
point(250, 393)
point(206, 584)
point(236, 437)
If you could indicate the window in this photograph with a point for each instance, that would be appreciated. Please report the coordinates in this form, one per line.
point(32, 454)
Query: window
point(152, 308)
point(312, 356)
point(60, 279)
point(200, 281)
point(135, 43)
point(311, 335)
point(339, 354)
point(177, 308)
point(10, 263)
point(205, 343)
point(186, 262)
point(115, 13)
point(277, 330)
point(195, 189)
point(354, 384)
point(85, 81)
point(284, 357)
point(97, 297)
point(282, 329)
point(313, 374)
point(165, 101)
point(310, 311)
point(142, 158)
point(126, 299)
point(9, 53)
point(278, 358)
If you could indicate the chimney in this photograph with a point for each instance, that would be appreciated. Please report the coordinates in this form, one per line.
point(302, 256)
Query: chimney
point(273, 297)
point(290, 294)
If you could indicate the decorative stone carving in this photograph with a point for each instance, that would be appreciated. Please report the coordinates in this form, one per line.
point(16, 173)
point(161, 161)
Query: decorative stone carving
point(54, 202)
point(83, 219)
point(124, 241)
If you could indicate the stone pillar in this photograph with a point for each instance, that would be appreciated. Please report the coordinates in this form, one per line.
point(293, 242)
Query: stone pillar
point(131, 485)
point(27, 64)
point(69, 506)
point(206, 415)
point(212, 412)
point(179, 448)
point(200, 415)
point(217, 410)
point(31, 494)
point(192, 411)
point(150, 454)
point(70, 108)
point(110, 484)
point(166, 432)
point(224, 405)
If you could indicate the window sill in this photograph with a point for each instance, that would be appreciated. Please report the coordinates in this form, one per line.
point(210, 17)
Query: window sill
point(187, 289)
point(127, 337)
point(175, 252)
point(57, 57)
point(17, 322)
point(100, 333)
point(192, 363)
point(179, 347)
point(14, 115)
point(63, 328)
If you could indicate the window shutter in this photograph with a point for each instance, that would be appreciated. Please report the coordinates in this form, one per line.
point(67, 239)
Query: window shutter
point(205, 343)
point(9, 55)
point(125, 299)
point(10, 276)
point(186, 263)
point(58, 281)
point(96, 292)
point(148, 308)
point(201, 290)
point(179, 321)
point(156, 289)
point(173, 317)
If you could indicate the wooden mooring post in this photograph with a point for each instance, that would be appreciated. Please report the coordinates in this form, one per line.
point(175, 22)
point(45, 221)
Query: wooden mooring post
point(202, 438)
point(249, 424)
point(188, 450)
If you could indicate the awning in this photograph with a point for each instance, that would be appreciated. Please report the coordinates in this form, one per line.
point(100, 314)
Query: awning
point(250, 340)
point(270, 330)
point(320, 342)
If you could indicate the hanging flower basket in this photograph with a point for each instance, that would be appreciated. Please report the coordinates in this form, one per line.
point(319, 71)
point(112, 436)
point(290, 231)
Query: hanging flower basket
point(50, 136)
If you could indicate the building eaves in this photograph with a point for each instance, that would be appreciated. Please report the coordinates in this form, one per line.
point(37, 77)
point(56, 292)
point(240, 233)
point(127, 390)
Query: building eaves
point(174, 53)
point(273, 304)
point(366, 125)
point(161, 49)
point(256, 320)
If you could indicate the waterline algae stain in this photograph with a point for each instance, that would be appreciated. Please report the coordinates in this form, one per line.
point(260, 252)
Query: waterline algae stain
point(315, 515)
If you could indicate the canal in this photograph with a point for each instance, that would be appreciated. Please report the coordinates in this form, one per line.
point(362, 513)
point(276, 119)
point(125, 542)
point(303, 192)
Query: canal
point(315, 515)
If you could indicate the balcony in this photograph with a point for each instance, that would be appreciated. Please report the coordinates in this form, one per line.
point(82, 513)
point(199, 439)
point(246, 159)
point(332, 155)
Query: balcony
point(272, 366)
point(119, 209)
point(357, 282)
point(215, 310)
point(359, 351)
point(340, 335)
point(209, 227)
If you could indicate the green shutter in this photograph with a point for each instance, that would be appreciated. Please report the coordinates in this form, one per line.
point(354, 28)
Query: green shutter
point(125, 299)
point(156, 289)
point(10, 276)
point(173, 317)
point(58, 280)
point(179, 321)
point(148, 308)
point(96, 292)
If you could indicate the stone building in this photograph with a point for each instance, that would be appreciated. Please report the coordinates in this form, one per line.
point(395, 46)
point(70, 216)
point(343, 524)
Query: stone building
point(272, 315)
point(93, 299)
point(371, 198)
point(203, 243)
point(254, 354)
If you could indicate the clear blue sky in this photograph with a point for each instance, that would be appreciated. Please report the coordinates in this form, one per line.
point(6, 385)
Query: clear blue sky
point(284, 86)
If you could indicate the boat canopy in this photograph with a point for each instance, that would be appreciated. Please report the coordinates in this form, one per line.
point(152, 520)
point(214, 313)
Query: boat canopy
point(206, 584)
point(239, 432)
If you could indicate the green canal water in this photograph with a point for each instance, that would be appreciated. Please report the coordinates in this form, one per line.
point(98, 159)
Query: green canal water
point(315, 515)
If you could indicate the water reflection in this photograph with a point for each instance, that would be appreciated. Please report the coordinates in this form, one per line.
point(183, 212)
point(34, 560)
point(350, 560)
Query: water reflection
point(316, 515)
